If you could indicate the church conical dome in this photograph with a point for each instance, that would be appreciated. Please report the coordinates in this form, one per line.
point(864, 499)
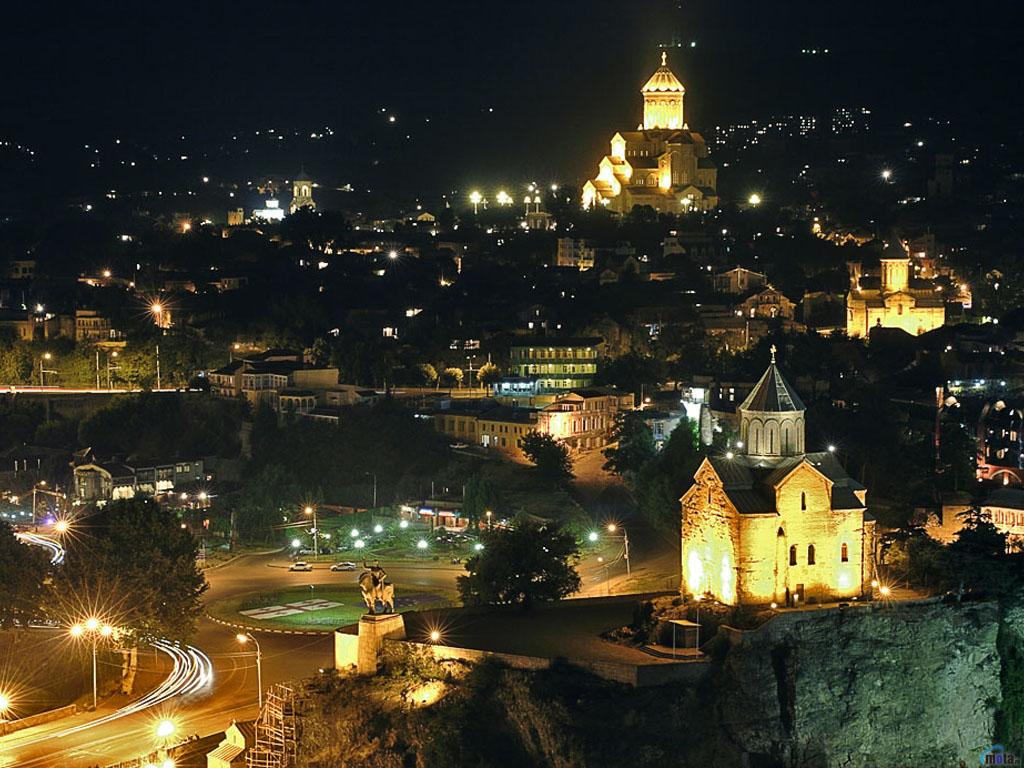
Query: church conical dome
point(772, 417)
point(663, 80)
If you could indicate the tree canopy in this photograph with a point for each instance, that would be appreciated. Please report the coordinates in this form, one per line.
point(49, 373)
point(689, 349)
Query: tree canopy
point(134, 565)
point(549, 456)
point(526, 564)
point(23, 570)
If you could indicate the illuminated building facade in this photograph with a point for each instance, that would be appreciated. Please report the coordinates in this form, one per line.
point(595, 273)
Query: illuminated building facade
point(894, 303)
point(556, 364)
point(772, 523)
point(302, 194)
point(662, 163)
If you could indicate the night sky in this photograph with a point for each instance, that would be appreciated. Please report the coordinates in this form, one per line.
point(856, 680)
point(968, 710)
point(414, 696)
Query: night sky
point(559, 76)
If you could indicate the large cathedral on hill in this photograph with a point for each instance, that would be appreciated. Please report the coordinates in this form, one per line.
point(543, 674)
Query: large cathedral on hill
point(771, 523)
point(662, 163)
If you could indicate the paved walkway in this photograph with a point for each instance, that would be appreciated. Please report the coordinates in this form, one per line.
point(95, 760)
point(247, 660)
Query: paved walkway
point(568, 629)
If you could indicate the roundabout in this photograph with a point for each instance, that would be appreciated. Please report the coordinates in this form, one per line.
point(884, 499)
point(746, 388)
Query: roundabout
point(316, 608)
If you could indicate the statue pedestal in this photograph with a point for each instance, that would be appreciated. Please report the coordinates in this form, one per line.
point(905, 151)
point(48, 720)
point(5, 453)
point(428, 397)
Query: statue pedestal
point(373, 631)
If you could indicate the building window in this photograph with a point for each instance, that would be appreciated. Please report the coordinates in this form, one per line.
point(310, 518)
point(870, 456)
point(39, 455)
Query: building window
point(803, 501)
point(709, 494)
point(792, 555)
point(844, 553)
point(810, 554)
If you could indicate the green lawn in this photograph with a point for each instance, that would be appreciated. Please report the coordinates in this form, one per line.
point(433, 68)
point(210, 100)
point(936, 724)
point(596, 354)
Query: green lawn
point(254, 610)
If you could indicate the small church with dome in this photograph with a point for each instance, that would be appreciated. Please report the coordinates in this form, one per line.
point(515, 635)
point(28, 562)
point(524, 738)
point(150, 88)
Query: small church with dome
point(770, 522)
point(662, 164)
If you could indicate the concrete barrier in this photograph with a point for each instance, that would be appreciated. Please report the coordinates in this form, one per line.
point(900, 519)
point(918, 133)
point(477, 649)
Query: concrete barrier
point(10, 726)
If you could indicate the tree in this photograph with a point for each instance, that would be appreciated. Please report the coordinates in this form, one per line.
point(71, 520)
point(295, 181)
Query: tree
point(978, 555)
point(522, 565)
point(633, 371)
point(453, 376)
point(482, 495)
point(549, 456)
point(429, 373)
point(488, 373)
point(633, 445)
point(136, 567)
point(22, 573)
point(664, 479)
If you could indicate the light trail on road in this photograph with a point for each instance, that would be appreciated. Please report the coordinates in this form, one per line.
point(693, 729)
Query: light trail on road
point(36, 539)
point(192, 672)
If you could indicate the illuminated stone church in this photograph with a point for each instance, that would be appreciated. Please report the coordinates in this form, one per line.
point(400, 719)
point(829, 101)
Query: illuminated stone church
point(662, 163)
point(771, 523)
point(893, 303)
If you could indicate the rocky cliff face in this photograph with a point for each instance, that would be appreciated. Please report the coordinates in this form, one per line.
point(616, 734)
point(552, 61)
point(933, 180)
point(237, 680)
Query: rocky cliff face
point(881, 685)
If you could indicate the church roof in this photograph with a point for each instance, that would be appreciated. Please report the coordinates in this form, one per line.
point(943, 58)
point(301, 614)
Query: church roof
point(663, 80)
point(750, 481)
point(772, 394)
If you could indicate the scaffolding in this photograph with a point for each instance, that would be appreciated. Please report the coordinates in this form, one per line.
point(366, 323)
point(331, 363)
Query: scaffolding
point(276, 744)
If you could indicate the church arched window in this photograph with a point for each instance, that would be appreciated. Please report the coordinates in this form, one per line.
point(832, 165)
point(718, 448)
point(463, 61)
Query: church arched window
point(709, 494)
point(810, 554)
point(844, 553)
point(803, 501)
point(792, 555)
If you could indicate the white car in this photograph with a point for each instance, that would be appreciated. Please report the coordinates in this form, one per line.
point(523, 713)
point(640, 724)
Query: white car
point(346, 566)
point(300, 565)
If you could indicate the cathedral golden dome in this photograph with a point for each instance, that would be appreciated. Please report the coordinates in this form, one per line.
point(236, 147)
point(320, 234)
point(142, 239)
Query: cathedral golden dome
point(663, 80)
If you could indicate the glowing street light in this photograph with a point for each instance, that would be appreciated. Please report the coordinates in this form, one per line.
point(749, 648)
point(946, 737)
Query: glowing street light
point(5, 704)
point(393, 255)
point(310, 510)
point(403, 524)
point(435, 635)
point(421, 544)
point(593, 536)
point(612, 528)
point(243, 638)
point(886, 175)
point(165, 729)
point(95, 629)
point(754, 199)
point(296, 543)
point(475, 198)
point(378, 528)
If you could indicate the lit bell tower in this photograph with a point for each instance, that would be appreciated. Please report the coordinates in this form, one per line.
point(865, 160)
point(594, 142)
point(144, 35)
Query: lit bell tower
point(663, 99)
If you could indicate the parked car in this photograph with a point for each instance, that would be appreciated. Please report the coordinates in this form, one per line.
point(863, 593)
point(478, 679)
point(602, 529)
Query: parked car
point(345, 566)
point(300, 565)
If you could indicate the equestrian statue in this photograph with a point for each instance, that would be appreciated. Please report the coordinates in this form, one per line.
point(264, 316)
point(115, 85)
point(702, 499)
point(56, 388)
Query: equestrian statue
point(376, 588)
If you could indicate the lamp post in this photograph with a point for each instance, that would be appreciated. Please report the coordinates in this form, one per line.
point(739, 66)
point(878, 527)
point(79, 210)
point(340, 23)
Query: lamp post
point(243, 638)
point(311, 510)
point(110, 367)
point(612, 528)
point(46, 357)
point(158, 317)
point(475, 198)
point(95, 629)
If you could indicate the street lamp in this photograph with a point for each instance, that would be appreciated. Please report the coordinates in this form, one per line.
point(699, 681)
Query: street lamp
point(96, 629)
point(45, 358)
point(754, 199)
point(5, 705)
point(612, 528)
point(243, 638)
point(310, 510)
point(475, 198)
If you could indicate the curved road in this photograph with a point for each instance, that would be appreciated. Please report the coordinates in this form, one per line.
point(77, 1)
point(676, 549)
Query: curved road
point(232, 695)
